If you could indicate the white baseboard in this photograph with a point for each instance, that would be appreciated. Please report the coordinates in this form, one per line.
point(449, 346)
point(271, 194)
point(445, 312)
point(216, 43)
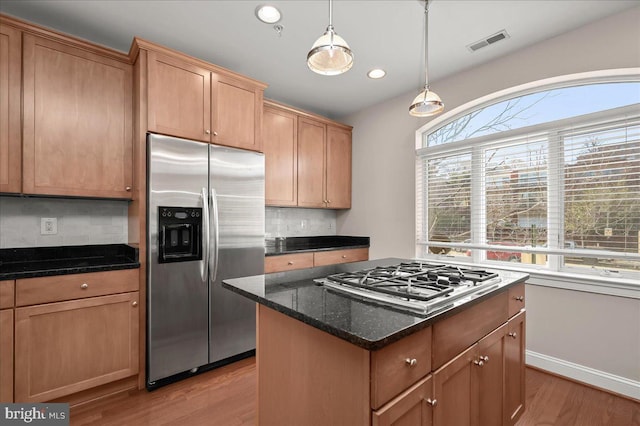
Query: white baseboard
point(597, 378)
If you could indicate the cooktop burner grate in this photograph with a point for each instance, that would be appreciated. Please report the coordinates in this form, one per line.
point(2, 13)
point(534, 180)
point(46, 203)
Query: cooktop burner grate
point(417, 285)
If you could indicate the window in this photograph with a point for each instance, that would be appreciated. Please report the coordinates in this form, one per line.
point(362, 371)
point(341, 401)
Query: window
point(543, 180)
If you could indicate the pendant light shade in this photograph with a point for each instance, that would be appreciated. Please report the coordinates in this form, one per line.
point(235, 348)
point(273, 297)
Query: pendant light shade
point(427, 103)
point(330, 54)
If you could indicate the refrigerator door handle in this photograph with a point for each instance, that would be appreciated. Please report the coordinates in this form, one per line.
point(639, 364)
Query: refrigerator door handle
point(213, 252)
point(205, 235)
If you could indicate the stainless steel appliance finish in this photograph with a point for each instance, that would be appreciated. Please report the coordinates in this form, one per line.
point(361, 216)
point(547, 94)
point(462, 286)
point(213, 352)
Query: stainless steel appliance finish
point(192, 321)
point(420, 287)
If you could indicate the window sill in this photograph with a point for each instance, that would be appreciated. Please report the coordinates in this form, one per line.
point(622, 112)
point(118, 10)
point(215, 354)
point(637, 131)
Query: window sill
point(611, 286)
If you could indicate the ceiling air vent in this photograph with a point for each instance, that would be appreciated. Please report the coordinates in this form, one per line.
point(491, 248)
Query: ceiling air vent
point(488, 40)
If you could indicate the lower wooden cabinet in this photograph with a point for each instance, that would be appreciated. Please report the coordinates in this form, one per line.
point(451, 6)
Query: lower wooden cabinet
point(290, 262)
point(6, 355)
point(412, 408)
point(66, 347)
point(482, 384)
point(514, 368)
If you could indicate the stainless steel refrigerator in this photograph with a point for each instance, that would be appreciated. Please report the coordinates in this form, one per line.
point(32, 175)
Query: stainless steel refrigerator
point(205, 223)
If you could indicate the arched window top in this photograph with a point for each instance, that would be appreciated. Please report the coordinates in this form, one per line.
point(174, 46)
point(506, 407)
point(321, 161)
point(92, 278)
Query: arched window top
point(529, 105)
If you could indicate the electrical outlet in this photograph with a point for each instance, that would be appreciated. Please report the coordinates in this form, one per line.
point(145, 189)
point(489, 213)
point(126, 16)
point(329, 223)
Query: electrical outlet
point(48, 226)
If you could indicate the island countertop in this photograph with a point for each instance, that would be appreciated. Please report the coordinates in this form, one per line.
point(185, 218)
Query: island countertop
point(360, 322)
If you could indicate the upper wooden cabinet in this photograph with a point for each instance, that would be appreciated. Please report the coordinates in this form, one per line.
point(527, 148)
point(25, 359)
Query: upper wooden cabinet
point(192, 99)
point(311, 163)
point(338, 168)
point(237, 113)
point(10, 131)
point(280, 143)
point(179, 98)
point(308, 159)
point(77, 121)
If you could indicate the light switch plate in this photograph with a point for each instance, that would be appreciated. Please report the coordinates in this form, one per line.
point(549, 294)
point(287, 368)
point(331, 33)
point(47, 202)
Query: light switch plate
point(48, 226)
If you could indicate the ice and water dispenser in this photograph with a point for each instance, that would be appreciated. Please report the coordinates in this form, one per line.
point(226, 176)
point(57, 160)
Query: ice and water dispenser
point(180, 234)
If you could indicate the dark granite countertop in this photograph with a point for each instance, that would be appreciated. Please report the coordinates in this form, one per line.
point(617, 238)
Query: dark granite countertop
point(288, 245)
point(362, 323)
point(46, 261)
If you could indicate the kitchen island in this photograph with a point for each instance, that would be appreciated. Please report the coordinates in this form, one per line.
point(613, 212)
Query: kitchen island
point(325, 357)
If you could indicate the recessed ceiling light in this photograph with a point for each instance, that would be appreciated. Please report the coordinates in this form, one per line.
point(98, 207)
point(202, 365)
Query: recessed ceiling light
point(268, 14)
point(376, 73)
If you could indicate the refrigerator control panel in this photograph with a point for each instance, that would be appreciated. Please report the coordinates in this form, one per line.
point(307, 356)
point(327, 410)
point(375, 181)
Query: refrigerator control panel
point(180, 234)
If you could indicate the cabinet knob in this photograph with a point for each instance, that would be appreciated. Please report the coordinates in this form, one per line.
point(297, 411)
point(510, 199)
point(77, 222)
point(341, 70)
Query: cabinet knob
point(479, 363)
point(289, 263)
point(484, 358)
point(208, 131)
point(432, 402)
point(328, 201)
point(127, 188)
point(344, 256)
point(411, 362)
point(519, 298)
point(215, 133)
point(84, 286)
point(513, 335)
point(134, 303)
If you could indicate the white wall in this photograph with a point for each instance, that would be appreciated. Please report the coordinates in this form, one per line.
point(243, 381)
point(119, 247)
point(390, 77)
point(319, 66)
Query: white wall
point(383, 186)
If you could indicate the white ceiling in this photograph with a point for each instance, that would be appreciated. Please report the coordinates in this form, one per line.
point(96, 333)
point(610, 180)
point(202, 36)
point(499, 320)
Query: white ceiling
point(385, 34)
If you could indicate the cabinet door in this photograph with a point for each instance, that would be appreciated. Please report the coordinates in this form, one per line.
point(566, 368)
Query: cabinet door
point(311, 163)
point(489, 378)
point(281, 157)
point(338, 168)
point(6, 355)
point(452, 389)
point(237, 113)
point(10, 130)
point(77, 123)
point(179, 99)
point(67, 347)
point(515, 369)
point(411, 408)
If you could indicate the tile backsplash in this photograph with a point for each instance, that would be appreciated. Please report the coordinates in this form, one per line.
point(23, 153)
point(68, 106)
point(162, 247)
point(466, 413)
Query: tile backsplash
point(80, 221)
point(295, 222)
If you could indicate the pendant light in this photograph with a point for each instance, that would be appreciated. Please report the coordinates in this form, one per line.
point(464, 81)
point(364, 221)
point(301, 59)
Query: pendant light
point(427, 103)
point(330, 54)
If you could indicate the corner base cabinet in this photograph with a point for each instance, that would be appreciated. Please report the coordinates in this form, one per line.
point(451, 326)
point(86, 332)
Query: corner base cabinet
point(466, 369)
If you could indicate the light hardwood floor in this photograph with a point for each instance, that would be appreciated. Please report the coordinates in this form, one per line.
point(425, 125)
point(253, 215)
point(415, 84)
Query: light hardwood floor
point(226, 397)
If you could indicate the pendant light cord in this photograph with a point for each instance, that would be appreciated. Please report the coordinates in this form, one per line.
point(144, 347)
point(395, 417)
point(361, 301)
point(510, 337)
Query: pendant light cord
point(426, 42)
point(330, 13)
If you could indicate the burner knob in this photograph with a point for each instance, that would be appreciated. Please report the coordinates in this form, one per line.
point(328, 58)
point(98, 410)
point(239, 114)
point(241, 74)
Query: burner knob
point(411, 362)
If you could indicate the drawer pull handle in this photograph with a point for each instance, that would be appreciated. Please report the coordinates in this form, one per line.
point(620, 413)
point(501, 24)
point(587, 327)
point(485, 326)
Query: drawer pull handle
point(432, 402)
point(289, 263)
point(519, 298)
point(411, 362)
point(134, 303)
point(84, 286)
point(513, 335)
point(479, 363)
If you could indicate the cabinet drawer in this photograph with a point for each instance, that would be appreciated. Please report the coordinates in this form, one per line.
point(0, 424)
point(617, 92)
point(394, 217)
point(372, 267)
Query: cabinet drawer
point(396, 367)
point(452, 335)
point(6, 294)
point(32, 291)
point(332, 257)
point(516, 299)
point(288, 262)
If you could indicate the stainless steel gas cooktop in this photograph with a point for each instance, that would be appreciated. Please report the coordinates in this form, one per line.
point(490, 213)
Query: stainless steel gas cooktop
point(420, 287)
